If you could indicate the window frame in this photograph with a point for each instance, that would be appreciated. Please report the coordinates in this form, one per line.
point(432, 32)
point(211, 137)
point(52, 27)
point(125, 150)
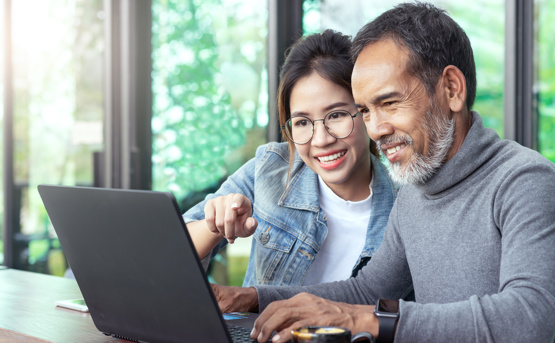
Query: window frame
point(127, 163)
point(520, 98)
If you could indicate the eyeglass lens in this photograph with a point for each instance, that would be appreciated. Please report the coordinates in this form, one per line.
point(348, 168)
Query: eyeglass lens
point(300, 129)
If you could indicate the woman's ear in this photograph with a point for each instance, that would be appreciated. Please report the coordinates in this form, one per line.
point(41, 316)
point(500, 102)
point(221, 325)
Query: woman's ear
point(454, 86)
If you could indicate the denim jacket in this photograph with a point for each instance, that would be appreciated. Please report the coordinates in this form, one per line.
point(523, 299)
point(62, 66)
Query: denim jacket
point(291, 225)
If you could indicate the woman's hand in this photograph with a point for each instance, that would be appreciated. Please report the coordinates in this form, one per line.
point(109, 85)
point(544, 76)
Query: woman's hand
point(230, 216)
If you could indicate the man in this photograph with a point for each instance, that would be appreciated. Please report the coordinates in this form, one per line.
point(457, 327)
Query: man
point(473, 228)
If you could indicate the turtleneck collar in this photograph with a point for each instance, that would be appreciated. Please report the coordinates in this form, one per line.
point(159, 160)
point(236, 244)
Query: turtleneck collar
point(477, 148)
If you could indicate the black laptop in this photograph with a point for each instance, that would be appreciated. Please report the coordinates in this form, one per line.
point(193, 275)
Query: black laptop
point(136, 266)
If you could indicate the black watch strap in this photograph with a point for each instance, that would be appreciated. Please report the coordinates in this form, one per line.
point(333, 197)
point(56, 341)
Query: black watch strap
point(387, 312)
point(387, 330)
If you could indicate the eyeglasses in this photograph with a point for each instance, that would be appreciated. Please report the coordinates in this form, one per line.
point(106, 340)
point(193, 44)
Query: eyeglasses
point(339, 124)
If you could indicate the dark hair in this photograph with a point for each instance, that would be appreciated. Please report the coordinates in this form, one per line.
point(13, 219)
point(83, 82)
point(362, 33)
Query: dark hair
point(328, 55)
point(434, 41)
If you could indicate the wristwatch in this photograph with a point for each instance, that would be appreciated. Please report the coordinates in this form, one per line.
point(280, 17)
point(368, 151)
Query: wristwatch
point(387, 312)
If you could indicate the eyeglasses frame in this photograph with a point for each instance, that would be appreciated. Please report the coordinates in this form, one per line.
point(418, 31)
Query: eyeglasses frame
point(283, 127)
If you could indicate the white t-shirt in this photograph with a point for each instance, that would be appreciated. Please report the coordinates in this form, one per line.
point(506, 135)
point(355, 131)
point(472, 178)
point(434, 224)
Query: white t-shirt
point(347, 223)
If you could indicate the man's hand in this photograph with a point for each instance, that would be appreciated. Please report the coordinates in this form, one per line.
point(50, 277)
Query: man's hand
point(230, 216)
point(236, 299)
point(307, 309)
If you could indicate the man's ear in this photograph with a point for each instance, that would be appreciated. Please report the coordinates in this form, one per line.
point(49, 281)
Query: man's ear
point(454, 86)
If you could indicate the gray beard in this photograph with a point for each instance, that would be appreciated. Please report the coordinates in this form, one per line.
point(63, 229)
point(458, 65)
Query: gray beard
point(419, 168)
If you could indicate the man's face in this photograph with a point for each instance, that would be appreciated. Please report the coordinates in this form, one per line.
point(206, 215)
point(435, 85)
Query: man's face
point(410, 128)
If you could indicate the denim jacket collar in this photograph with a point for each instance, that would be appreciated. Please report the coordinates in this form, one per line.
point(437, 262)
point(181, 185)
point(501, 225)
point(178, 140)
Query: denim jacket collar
point(303, 195)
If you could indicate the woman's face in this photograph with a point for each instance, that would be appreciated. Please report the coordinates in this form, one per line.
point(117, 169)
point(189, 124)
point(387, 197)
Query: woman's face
point(343, 164)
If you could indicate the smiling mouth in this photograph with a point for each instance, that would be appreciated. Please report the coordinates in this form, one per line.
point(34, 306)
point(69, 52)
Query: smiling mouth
point(395, 149)
point(330, 158)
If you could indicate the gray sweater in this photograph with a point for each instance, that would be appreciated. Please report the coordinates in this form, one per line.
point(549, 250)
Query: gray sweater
point(477, 242)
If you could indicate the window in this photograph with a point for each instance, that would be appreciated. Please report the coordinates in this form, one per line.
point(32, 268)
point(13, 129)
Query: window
point(209, 88)
point(2, 122)
point(545, 85)
point(57, 112)
point(210, 92)
point(210, 101)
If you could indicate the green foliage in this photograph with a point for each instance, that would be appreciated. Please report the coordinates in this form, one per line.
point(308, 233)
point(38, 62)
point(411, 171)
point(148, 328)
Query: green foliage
point(237, 269)
point(546, 83)
point(194, 125)
point(207, 65)
point(484, 23)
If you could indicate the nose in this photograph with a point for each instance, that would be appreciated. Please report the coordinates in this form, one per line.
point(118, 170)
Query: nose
point(378, 128)
point(321, 137)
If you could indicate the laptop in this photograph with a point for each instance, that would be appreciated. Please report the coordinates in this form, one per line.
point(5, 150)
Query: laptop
point(136, 266)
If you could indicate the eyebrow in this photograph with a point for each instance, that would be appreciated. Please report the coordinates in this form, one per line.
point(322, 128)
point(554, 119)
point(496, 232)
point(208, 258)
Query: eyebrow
point(335, 105)
point(326, 109)
point(381, 98)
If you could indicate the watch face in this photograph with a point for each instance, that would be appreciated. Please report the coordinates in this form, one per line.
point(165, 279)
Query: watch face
point(390, 306)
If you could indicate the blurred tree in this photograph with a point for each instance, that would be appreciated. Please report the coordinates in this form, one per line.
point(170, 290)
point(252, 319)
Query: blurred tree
point(208, 62)
point(545, 13)
point(210, 108)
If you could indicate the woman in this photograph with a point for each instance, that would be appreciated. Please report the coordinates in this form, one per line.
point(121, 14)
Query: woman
point(316, 206)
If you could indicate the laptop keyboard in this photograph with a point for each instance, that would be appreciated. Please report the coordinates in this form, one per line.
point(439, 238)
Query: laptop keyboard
point(239, 334)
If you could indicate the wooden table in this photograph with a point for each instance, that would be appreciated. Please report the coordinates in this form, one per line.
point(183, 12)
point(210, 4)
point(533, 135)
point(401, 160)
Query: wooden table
point(28, 312)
